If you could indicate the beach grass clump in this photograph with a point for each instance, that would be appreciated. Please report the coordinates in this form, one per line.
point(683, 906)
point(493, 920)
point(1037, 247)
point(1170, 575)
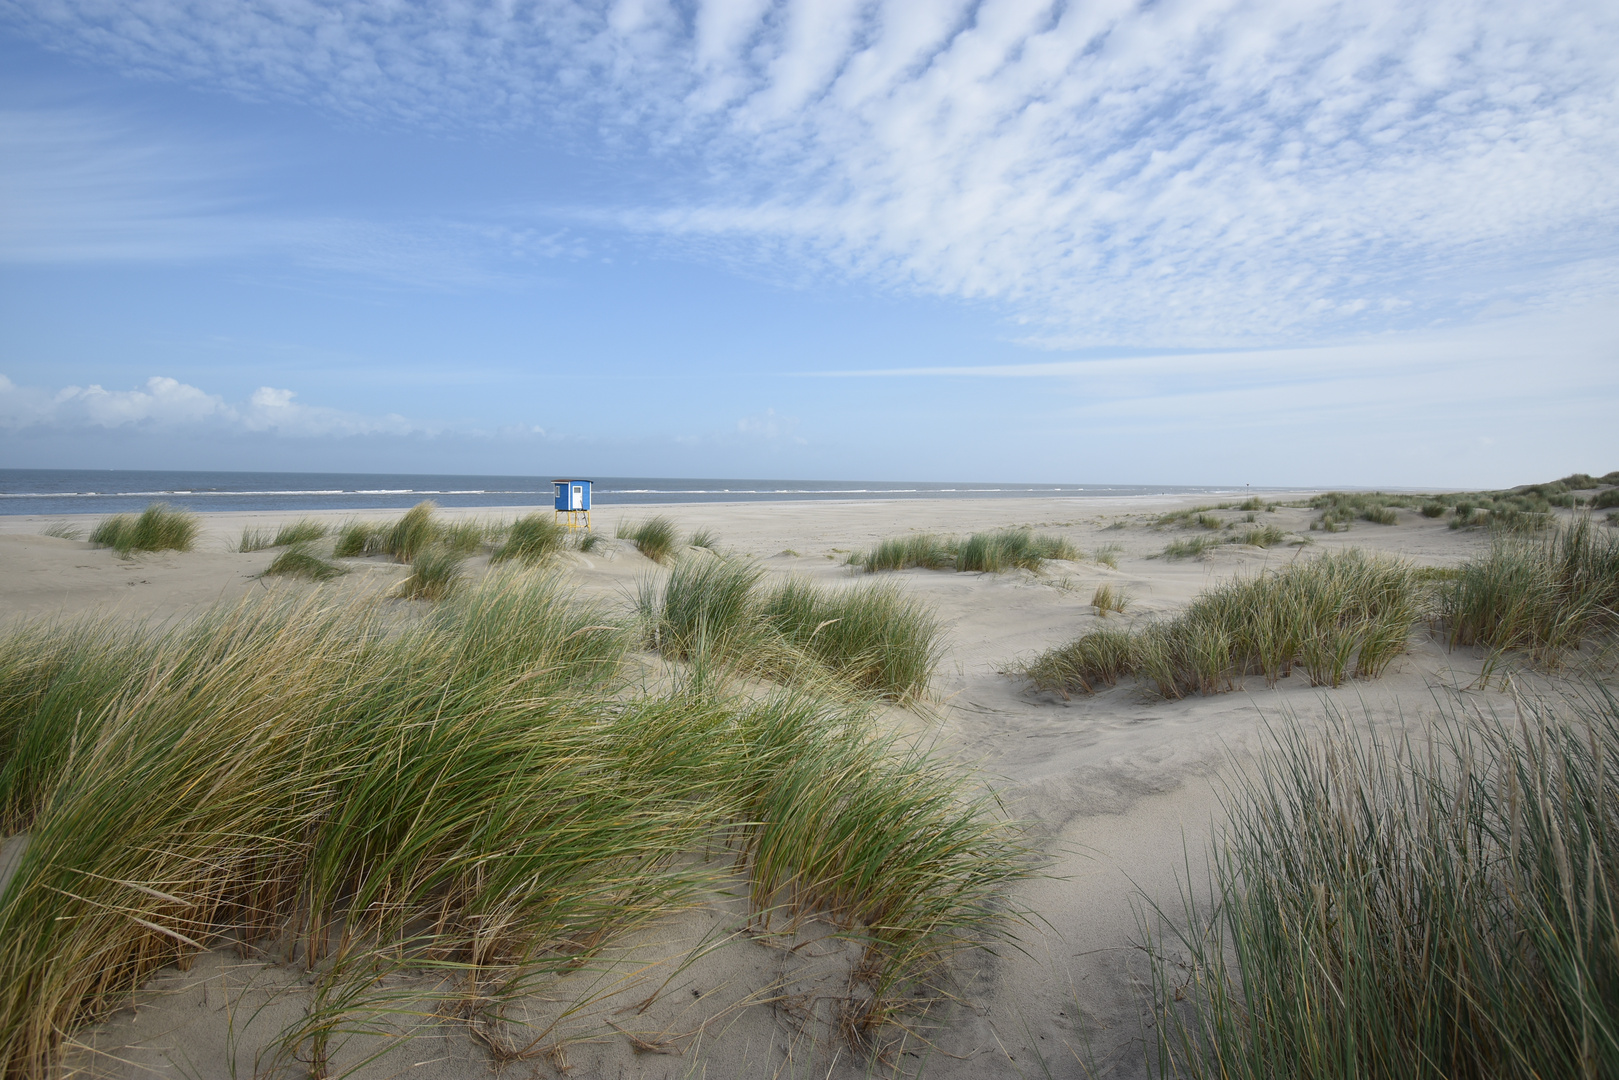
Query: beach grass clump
point(414, 531)
point(254, 539)
point(480, 795)
point(1431, 908)
point(874, 639)
point(467, 536)
point(63, 530)
point(1005, 549)
point(982, 552)
point(356, 539)
point(1108, 555)
point(1109, 597)
point(1190, 548)
point(656, 537)
point(1380, 515)
point(302, 531)
point(159, 527)
point(436, 572)
point(531, 538)
point(301, 562)
point(704, 607)
point(1196, 517)
point(928, 551)
point(705, 538)
point(1432, 510)
point(1341, 615)
point(1604, 500)
point(1264, 536)
point(1542, 595)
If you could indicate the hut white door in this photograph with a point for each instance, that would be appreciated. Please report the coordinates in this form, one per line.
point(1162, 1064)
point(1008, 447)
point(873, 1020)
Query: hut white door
point(577, 500)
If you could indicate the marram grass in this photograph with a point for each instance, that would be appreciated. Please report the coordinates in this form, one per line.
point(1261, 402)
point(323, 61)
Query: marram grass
point(985, 552)
point(477, 790)
point(656, 537)
point(435, 573)
point(1340, 615)
point(1541, 595)
point(158, 528)
point(1409, 911)
point(873, 638)
point(299, 561)
point(531, 538)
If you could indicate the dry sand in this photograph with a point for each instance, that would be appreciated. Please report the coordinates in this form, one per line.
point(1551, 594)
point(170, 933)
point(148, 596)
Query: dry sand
point(1122, 790)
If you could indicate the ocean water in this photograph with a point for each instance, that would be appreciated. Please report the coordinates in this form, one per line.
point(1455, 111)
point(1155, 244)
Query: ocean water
point(97, 491)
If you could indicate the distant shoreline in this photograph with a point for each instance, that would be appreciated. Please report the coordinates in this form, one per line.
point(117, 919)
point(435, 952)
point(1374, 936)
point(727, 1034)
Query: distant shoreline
point(68, 492)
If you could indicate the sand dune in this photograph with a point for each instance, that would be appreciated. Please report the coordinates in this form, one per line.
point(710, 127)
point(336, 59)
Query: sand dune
point(1121, 790)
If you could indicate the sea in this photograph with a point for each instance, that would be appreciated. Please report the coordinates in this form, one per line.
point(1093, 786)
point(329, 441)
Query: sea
point(104, 491)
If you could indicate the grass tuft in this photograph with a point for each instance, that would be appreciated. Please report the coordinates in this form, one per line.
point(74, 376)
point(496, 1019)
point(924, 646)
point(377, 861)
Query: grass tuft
point(656, 537)
point(299, 561)
point(158, 528)
point(1190, 548)
point(1430, 910)
point(1106, 598)
point(705, 538)
point(531, 538)
point(1341, 615)
point(1265, 536)
point(303, 531)
point(413, 532)
point(988, 552)
point(255, 539)
point(925, 550)
point(63, 530)
point(1000, 551)
point(356, 539)
point(1544, 596)
point(435, 573)
point(874, 639)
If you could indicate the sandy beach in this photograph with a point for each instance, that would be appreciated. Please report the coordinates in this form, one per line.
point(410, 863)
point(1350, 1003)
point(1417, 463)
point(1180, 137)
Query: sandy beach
point(1120, 791)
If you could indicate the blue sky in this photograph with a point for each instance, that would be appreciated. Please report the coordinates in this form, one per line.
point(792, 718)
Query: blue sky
point(1207, 241)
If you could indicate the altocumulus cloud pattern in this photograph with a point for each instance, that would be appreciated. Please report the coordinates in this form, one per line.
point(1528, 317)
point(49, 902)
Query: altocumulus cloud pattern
point(1203, 172)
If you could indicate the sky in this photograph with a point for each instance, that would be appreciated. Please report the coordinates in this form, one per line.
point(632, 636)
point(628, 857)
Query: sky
point(1183, 241)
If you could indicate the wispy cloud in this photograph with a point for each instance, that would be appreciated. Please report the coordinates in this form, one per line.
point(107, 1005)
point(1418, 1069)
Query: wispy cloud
point(1198, 172)
point(83, 184)
point(1566, 364)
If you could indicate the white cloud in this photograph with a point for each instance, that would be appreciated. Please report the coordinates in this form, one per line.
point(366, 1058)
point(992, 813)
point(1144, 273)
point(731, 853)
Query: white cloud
point(1179, 172)
point(168, 405)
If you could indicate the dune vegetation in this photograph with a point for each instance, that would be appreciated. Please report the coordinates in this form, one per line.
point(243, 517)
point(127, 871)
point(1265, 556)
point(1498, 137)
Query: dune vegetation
point(300, 562)
point(157, 528)
point(531, 538)
point(1543, 595)
point(1342, 614)
point(1348, 614)
point(487, 792)
point(657, 537)
point(1526, 508)
point(981, 552)
point(873, 638)
point(1384, 909)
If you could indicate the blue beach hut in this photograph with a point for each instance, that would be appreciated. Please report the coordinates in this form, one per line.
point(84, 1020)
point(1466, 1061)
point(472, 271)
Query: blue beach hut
point(573, 503)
